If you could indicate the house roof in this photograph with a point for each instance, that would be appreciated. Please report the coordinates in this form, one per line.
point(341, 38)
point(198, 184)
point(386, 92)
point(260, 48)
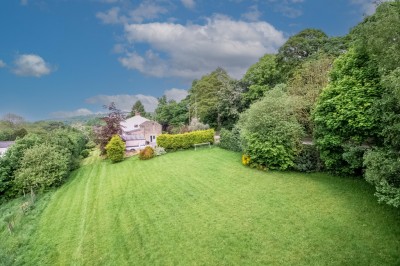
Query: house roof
point(6, 144)
point(129, 124)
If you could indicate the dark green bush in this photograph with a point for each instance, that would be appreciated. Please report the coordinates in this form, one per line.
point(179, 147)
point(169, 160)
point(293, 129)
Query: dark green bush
point(185, 140)
point(147, 153)
point(230, 140)
point(85, 153)
point(115, 149)
point(382, 170)
point(308, 160)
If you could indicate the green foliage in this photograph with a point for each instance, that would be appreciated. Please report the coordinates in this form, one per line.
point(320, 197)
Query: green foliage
point(306, 85)
point(147, 153)
point(185, 140)
point(379, 34)
point(298, 48)
point(170, 113)
point(115, 149)
point(85, 153)
point(138, 108)
point(230, 139)
point(382, 170)
point(270, 132)
point(345, 115)
point(11, 162)
point(308, 160)
point(67, 141)
point(42, 166)
point(260, 77)
point(204, 97)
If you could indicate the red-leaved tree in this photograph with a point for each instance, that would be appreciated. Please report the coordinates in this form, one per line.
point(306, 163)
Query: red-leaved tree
point(112, 127)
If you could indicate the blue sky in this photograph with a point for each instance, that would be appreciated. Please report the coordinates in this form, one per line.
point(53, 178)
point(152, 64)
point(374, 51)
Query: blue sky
point(60, 58)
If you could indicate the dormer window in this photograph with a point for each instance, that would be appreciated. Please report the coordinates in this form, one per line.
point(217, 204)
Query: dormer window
point(136, 126)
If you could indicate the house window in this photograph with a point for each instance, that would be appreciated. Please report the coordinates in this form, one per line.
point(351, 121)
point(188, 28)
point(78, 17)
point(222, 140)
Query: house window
point(152, 138)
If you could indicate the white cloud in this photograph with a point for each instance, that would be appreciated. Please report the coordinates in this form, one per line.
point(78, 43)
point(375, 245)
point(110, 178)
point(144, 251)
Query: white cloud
point(24, 2)
point(31, 65)
point(368, 7)
point(189, 51)
point(112, 16)
point(125, 101)
point(253, 14)
point(176, 94)
point(66, 114)
point(2, 64)
point(146, 10)
point(189, 3)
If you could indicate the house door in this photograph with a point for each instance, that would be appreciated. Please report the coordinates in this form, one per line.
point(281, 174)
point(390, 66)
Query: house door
point(152, 138)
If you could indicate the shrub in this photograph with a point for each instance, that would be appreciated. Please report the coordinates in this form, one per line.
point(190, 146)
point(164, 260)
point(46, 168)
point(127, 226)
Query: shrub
point(185, 140)
point(382, 170)
point(159, 151)
point(42, 166)
point(270, 133)
point(115, 149)
point(230, 140)
point(85, 153)
point(147, 153)
point(308, 160)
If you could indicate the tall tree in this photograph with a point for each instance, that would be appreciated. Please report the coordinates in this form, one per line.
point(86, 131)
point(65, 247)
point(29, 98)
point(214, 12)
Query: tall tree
point(112, 126)
point(380, 35)
point(306, 85)
point(138, 108)
point(260, 78)
point(345, 118)
point(300, 47)
point(204, 97)
point(170, 113)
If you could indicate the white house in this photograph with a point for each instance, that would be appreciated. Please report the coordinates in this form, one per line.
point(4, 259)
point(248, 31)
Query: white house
point(139, 131)
point(4, 145)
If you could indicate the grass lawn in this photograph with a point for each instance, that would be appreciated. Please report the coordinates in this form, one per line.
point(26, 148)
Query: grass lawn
point(202, 207)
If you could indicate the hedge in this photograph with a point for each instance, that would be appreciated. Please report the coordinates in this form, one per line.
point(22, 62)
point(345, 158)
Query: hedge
point(185, 140)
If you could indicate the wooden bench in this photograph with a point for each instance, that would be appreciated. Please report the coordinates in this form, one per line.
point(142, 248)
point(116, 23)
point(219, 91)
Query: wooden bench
point(202, 144)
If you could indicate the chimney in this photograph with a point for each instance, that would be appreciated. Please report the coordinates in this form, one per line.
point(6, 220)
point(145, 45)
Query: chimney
point(137, 113)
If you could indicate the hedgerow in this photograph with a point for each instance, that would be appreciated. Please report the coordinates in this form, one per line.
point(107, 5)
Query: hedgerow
point(185, 140)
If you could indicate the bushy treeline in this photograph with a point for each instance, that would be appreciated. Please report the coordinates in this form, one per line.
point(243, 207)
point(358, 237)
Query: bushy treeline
point(40, 161)
point(343, 95)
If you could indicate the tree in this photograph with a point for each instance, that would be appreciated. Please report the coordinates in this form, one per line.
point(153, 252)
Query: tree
point(259, 78)
point(298, 48)
point(383, 163)
point(229, 104)
point(138, 108)
point(13, 119)
point(11, 162)
point(42, 166)
point(204, 97)
point(116, 149)
point(270, 133)
point(170, 113)
point(379, 34)
point(306, 85)
point(112, 126)
point(345, 119)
